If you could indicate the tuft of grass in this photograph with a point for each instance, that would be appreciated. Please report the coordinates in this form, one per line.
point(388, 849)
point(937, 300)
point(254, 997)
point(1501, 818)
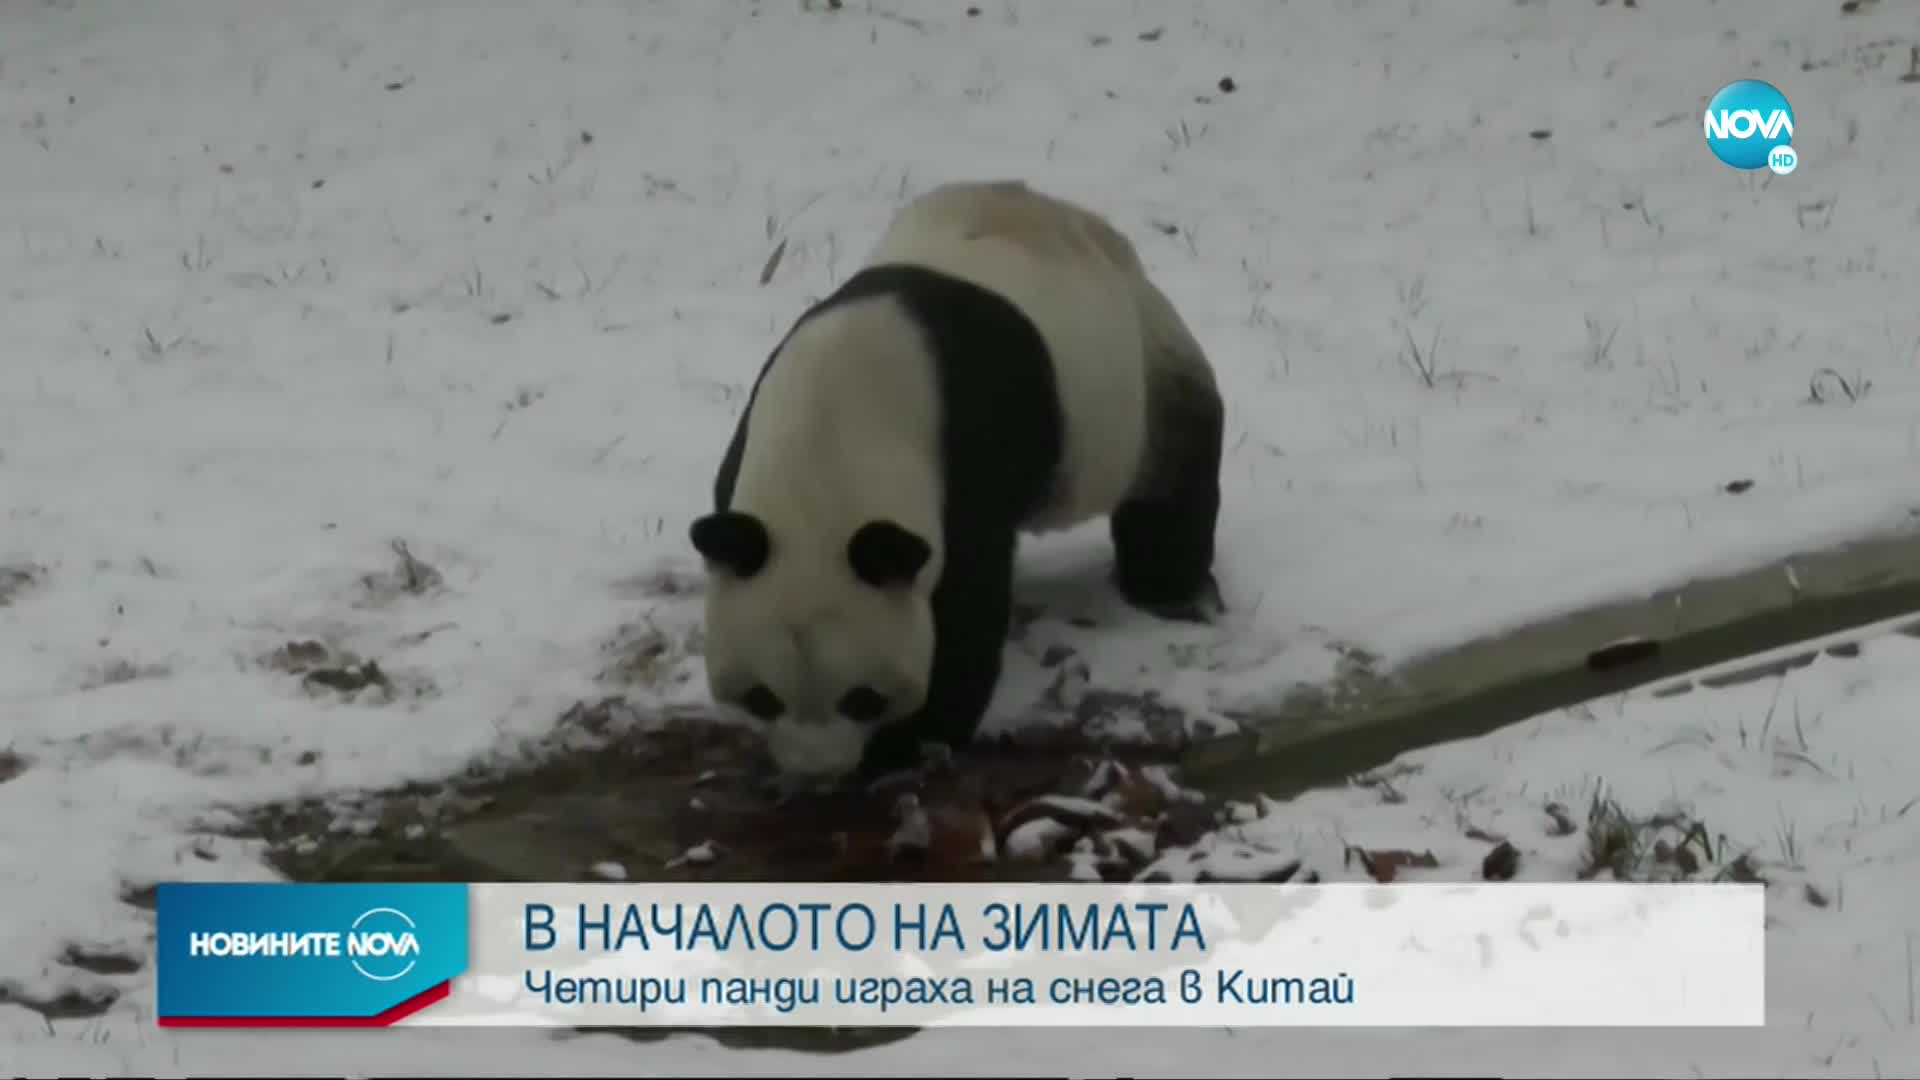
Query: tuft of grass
point(772, 265)
point(588, 286)
point(642, 654)
point(1827, 385)
point(1180, 136)
point(1421, 361)
point(408, 576)
point(1600, 342)
point(196, 258)
point(1670, 846)
point(779, 233)
point(152, 349)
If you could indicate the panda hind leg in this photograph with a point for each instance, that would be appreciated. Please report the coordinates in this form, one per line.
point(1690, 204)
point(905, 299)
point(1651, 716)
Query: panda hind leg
point(1163, 534)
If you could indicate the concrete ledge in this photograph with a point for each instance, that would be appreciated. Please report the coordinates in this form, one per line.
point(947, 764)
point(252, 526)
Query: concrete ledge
point(1367, 717)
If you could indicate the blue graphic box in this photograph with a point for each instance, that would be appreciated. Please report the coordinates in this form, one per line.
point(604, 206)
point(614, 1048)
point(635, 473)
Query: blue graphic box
point(257, 953)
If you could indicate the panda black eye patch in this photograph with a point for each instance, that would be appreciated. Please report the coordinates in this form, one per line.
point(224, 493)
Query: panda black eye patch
point(863, 704)
point(884, 555)
point(763, 703)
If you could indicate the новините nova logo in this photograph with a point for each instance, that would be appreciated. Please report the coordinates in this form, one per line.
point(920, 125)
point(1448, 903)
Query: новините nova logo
point(381, 944)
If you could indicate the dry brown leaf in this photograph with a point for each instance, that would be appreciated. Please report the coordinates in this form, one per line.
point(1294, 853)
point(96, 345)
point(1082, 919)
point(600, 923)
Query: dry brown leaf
point(1135, 797)
point(1385, 866)
point(1744, 870)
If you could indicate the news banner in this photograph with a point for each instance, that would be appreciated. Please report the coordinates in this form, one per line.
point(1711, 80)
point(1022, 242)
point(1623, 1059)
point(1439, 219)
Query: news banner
point(639, 954)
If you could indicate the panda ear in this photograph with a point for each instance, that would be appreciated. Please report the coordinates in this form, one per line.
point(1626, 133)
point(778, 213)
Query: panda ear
point(732, 540)
point(883, 554)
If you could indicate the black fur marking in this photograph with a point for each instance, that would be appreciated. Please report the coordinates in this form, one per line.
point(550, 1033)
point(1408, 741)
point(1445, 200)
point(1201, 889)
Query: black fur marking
point(886, 556)
point(1001, 443)
point(734, 540)
point(1163, 542)
point(863, 705)
point(972, 609)
point(763, 703)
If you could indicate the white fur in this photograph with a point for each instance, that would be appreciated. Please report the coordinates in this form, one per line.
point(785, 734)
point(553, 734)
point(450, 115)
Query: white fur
point(844, 431)
point(825, 749)
point(1073, 276)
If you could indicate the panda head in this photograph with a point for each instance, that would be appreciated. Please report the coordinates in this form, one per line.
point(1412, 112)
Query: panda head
point(822, 639)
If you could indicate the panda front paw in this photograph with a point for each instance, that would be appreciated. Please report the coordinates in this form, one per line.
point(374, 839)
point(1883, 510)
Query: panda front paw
point(935, 757)
point(780, 789)
point(783, 788)
point(1205, 606)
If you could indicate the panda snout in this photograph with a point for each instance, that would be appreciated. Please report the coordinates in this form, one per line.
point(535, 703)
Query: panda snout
point(824, 749)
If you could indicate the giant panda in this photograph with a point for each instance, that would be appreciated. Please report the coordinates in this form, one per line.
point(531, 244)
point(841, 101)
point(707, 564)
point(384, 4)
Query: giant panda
point(1000, 364)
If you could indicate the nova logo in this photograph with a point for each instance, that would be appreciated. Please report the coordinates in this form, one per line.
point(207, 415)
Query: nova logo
point(381, 944)
point(1749, 125)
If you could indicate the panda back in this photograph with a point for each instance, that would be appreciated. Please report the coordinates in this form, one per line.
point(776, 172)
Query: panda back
point(1076, 280)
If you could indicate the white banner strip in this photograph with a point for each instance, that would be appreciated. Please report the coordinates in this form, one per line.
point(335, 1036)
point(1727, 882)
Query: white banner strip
point(1068, 955)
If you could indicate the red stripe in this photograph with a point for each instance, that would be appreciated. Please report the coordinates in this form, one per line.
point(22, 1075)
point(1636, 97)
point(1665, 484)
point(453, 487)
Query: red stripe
point(392, 1016)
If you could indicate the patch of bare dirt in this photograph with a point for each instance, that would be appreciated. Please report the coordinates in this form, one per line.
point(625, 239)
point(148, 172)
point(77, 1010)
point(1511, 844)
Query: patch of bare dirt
point(17, 578)
point(679, 796)
point(68, 1004)
point(101, 961)
point(329, 672)
point(117, 670)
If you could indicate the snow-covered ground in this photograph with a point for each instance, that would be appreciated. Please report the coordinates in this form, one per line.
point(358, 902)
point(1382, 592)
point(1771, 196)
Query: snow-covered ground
point(285, 286)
